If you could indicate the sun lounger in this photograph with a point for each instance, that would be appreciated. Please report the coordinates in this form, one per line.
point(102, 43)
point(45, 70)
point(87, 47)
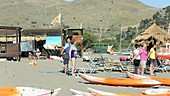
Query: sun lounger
point(158, 67)
point(91, 68)
point(127, 66)
point(52, 51)
point(96, 65)
point(112, 66)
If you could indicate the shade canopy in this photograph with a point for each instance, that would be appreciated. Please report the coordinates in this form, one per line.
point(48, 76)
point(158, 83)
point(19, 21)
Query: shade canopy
point(154, 32)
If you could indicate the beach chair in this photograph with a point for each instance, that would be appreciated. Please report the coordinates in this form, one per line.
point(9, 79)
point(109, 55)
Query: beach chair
point(159, 66)
point(91, 68)
point(88, 70)
point(82, 70)
point(100, 63)
point(114, 66)
point(98, 66)
point(126, 65)
point(111, 66)
point(105, 59)
point(51, 50)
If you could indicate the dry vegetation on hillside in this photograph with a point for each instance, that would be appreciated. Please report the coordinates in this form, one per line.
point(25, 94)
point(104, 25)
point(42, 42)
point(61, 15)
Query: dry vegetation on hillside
point(39, 13)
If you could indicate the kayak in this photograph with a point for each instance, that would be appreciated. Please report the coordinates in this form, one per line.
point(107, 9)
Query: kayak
point(148, 92)
point(135, 76)
point(76, 92)
point(156, 91)
point(27, 91)
point(121, 81)
point(131, 95)
point(163, 55)
point(103, 93)
point(164, 81)
point(94, 92)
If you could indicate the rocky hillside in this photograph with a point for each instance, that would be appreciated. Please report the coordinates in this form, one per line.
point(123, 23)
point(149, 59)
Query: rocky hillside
point(92, 13)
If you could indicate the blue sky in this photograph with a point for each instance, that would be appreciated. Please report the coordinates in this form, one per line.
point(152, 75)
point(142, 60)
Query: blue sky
point(157, 3)
point(154, 3)
point(69, 0)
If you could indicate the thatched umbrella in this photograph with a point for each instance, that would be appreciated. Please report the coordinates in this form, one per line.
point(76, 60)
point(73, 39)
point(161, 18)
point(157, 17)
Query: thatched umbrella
point(153, 33)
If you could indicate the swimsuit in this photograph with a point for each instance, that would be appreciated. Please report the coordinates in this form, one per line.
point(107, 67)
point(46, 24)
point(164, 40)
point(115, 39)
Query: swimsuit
point(74, 53)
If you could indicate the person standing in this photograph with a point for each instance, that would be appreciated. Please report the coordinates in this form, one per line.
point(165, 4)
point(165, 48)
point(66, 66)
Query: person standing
point(65, 52)
point(136, 59)
point(143, 56)
point(73, 55)
point(38, 53)
point(152, 58)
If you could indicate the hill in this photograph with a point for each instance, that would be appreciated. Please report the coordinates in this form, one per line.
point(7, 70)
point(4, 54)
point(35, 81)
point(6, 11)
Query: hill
point(92, 13)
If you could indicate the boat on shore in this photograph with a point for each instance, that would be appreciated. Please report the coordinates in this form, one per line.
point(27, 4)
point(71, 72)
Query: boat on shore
point(163, 55)
point(164, 81)
point(27, 91)
point(148, 92)
point(103, 93)
point(77, 92)
point(121, 81)
point(156, 91)
point(94, 92)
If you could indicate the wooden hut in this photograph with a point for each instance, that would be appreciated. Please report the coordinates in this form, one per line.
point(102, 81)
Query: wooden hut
point(10, 38)
point(76, 34)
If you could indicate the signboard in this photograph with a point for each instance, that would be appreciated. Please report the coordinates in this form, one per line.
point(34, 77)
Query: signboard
point(27, 46)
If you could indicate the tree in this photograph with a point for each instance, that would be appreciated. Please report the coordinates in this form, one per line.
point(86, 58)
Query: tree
point(167, 9)
point(88, 38)
point(157, 16)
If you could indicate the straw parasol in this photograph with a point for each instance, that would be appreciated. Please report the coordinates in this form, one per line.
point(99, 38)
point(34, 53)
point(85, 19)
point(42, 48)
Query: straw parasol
point(154, 32)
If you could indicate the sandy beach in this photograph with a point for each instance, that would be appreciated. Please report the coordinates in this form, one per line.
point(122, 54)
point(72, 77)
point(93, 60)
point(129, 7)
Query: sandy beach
point(46, 75)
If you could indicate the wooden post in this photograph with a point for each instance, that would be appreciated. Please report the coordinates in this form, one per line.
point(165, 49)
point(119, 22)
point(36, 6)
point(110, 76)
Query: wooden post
point(6, 42)
point(19, 44)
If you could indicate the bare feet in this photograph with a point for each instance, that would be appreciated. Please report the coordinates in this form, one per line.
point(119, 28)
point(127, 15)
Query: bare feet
point(73, 75)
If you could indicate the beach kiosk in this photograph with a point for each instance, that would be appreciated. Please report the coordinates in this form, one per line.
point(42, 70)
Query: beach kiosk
point(49, 41)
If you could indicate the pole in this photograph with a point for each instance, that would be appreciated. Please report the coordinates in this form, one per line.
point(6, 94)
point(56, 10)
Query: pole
point(100, 35)
point(62, 32)
point(136, 31)
point(169, 28)
point(120, 45)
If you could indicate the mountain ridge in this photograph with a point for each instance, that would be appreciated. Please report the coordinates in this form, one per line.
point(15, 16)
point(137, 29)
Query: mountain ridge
point(92, 13)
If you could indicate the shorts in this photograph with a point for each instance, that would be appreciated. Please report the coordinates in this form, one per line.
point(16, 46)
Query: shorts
point(143, 64)
point(74, 57)
point(136, 62)
point(66, 59)
point(152, 61)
